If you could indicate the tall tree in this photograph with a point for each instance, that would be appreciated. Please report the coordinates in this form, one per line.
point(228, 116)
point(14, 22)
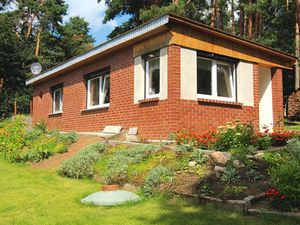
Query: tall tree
point(34, 31)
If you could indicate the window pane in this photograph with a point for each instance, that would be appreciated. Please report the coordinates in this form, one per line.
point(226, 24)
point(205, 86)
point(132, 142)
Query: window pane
point(154, 76)
point(57, 100)
point(204, 76)
point(224, 81)
point(105, 90)
point(94, 92)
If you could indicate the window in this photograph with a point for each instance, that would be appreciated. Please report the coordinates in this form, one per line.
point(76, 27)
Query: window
point(98, 93)
point(215, 79)
point(152, 76)
point(57, 100)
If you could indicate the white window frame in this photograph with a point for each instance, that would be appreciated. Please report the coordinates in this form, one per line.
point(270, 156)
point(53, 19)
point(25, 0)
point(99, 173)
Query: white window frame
point(100, 105)
point(214, 81)
point(55, 91)
point(148, 95)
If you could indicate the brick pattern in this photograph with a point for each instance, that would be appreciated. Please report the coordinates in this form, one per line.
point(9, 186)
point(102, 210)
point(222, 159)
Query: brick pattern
point(294, 106)
point(154, 119)
point(277, 94)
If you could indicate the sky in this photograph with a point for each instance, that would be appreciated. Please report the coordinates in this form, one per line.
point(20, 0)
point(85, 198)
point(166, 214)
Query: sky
point(93, 12)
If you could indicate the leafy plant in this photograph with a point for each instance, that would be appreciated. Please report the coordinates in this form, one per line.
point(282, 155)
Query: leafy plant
point(199, 157)
point(117, 167)
point(155, 178)
point(278, 200)
point(230, 175)
point(234, 191)
point(41, 126)
point(293, 147)
point(81, 165)
point(263, 142)
point(68, 138)
point(254, 175)
point(233, 136)
point(206, 190)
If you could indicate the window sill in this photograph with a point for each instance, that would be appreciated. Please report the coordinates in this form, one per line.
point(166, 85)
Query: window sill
point(220, 102)
point(55, 114)
point(148, 100)
point(95, 109)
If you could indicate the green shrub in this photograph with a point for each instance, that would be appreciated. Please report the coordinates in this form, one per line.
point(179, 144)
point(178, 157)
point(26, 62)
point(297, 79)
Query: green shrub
point(231, 175)
point(12, 138)
point(118, 165)
point(199, 157)
point(293, 147)
point(285, 173)
point(264, 142)
point(81, 165)
point(68, 138)
point(233, 136)
point(286, 178)
point(234, 191)
point(41, 126)
point(157, 176)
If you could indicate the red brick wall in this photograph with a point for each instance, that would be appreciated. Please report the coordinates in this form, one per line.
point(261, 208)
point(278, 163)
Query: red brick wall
point(155, 120)
point(277, 93)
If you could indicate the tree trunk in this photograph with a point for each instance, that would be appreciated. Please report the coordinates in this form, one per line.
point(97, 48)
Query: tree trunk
point(232, 17)
point(260, 25)
point(250, 25)
point(256, 24)
point(242, 27)
point(219, 17)
point(38, 42)
point(213, 13)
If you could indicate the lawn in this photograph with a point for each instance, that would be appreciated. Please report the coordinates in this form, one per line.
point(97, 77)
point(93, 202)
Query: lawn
point(33, 196)
point(292, 125)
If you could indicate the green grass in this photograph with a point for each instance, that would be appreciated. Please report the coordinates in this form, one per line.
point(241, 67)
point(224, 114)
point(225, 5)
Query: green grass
point(292, 125)
point(33, 196)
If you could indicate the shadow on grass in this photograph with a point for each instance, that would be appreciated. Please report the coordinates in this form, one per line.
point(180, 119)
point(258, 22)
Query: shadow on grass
point(188, 213)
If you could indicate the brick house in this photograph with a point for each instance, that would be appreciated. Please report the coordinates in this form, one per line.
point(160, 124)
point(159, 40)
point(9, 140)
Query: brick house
point(165, 75)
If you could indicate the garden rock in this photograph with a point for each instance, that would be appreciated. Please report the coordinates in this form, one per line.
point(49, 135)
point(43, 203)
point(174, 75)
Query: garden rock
point(219, 169)
point(192, 163)
point(237, 164)
point(220, 158)
point(259, 156)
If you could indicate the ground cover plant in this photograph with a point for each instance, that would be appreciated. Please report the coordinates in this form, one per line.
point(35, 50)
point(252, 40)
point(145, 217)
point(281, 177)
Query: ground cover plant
point(32, 197)
point(18, 143)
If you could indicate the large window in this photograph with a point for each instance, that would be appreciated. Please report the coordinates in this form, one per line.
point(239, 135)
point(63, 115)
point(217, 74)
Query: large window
point(152, 76)
point(98, 93)
point(215, 79)
point(57, 100)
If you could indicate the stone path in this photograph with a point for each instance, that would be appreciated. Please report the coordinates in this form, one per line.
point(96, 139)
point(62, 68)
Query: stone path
point(55, 161)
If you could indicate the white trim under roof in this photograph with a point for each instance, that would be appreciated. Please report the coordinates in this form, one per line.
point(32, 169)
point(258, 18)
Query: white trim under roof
point(153, 24)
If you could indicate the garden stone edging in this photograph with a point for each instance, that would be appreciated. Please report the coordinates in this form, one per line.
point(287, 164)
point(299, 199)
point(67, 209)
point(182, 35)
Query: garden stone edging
point(242, 205)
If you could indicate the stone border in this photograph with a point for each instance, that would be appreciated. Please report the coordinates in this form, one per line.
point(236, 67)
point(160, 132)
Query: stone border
point(242, 205)
point(271, 212)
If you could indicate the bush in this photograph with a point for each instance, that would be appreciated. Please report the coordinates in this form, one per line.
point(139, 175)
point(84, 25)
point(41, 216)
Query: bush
point(263, 142)
point(68, 138)
point(81, 165)
point(281, 138)
point(293, 147)
point(286, 179)
point(17, 144)
point(233, 136)
point(118, 165)
point(157, 176)
point(286, 176)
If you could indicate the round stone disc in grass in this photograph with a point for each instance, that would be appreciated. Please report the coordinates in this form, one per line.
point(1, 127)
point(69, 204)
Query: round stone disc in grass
point(110, 198)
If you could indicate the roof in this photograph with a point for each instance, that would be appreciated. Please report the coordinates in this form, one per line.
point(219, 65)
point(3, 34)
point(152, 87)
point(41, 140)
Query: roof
point(145, 28)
